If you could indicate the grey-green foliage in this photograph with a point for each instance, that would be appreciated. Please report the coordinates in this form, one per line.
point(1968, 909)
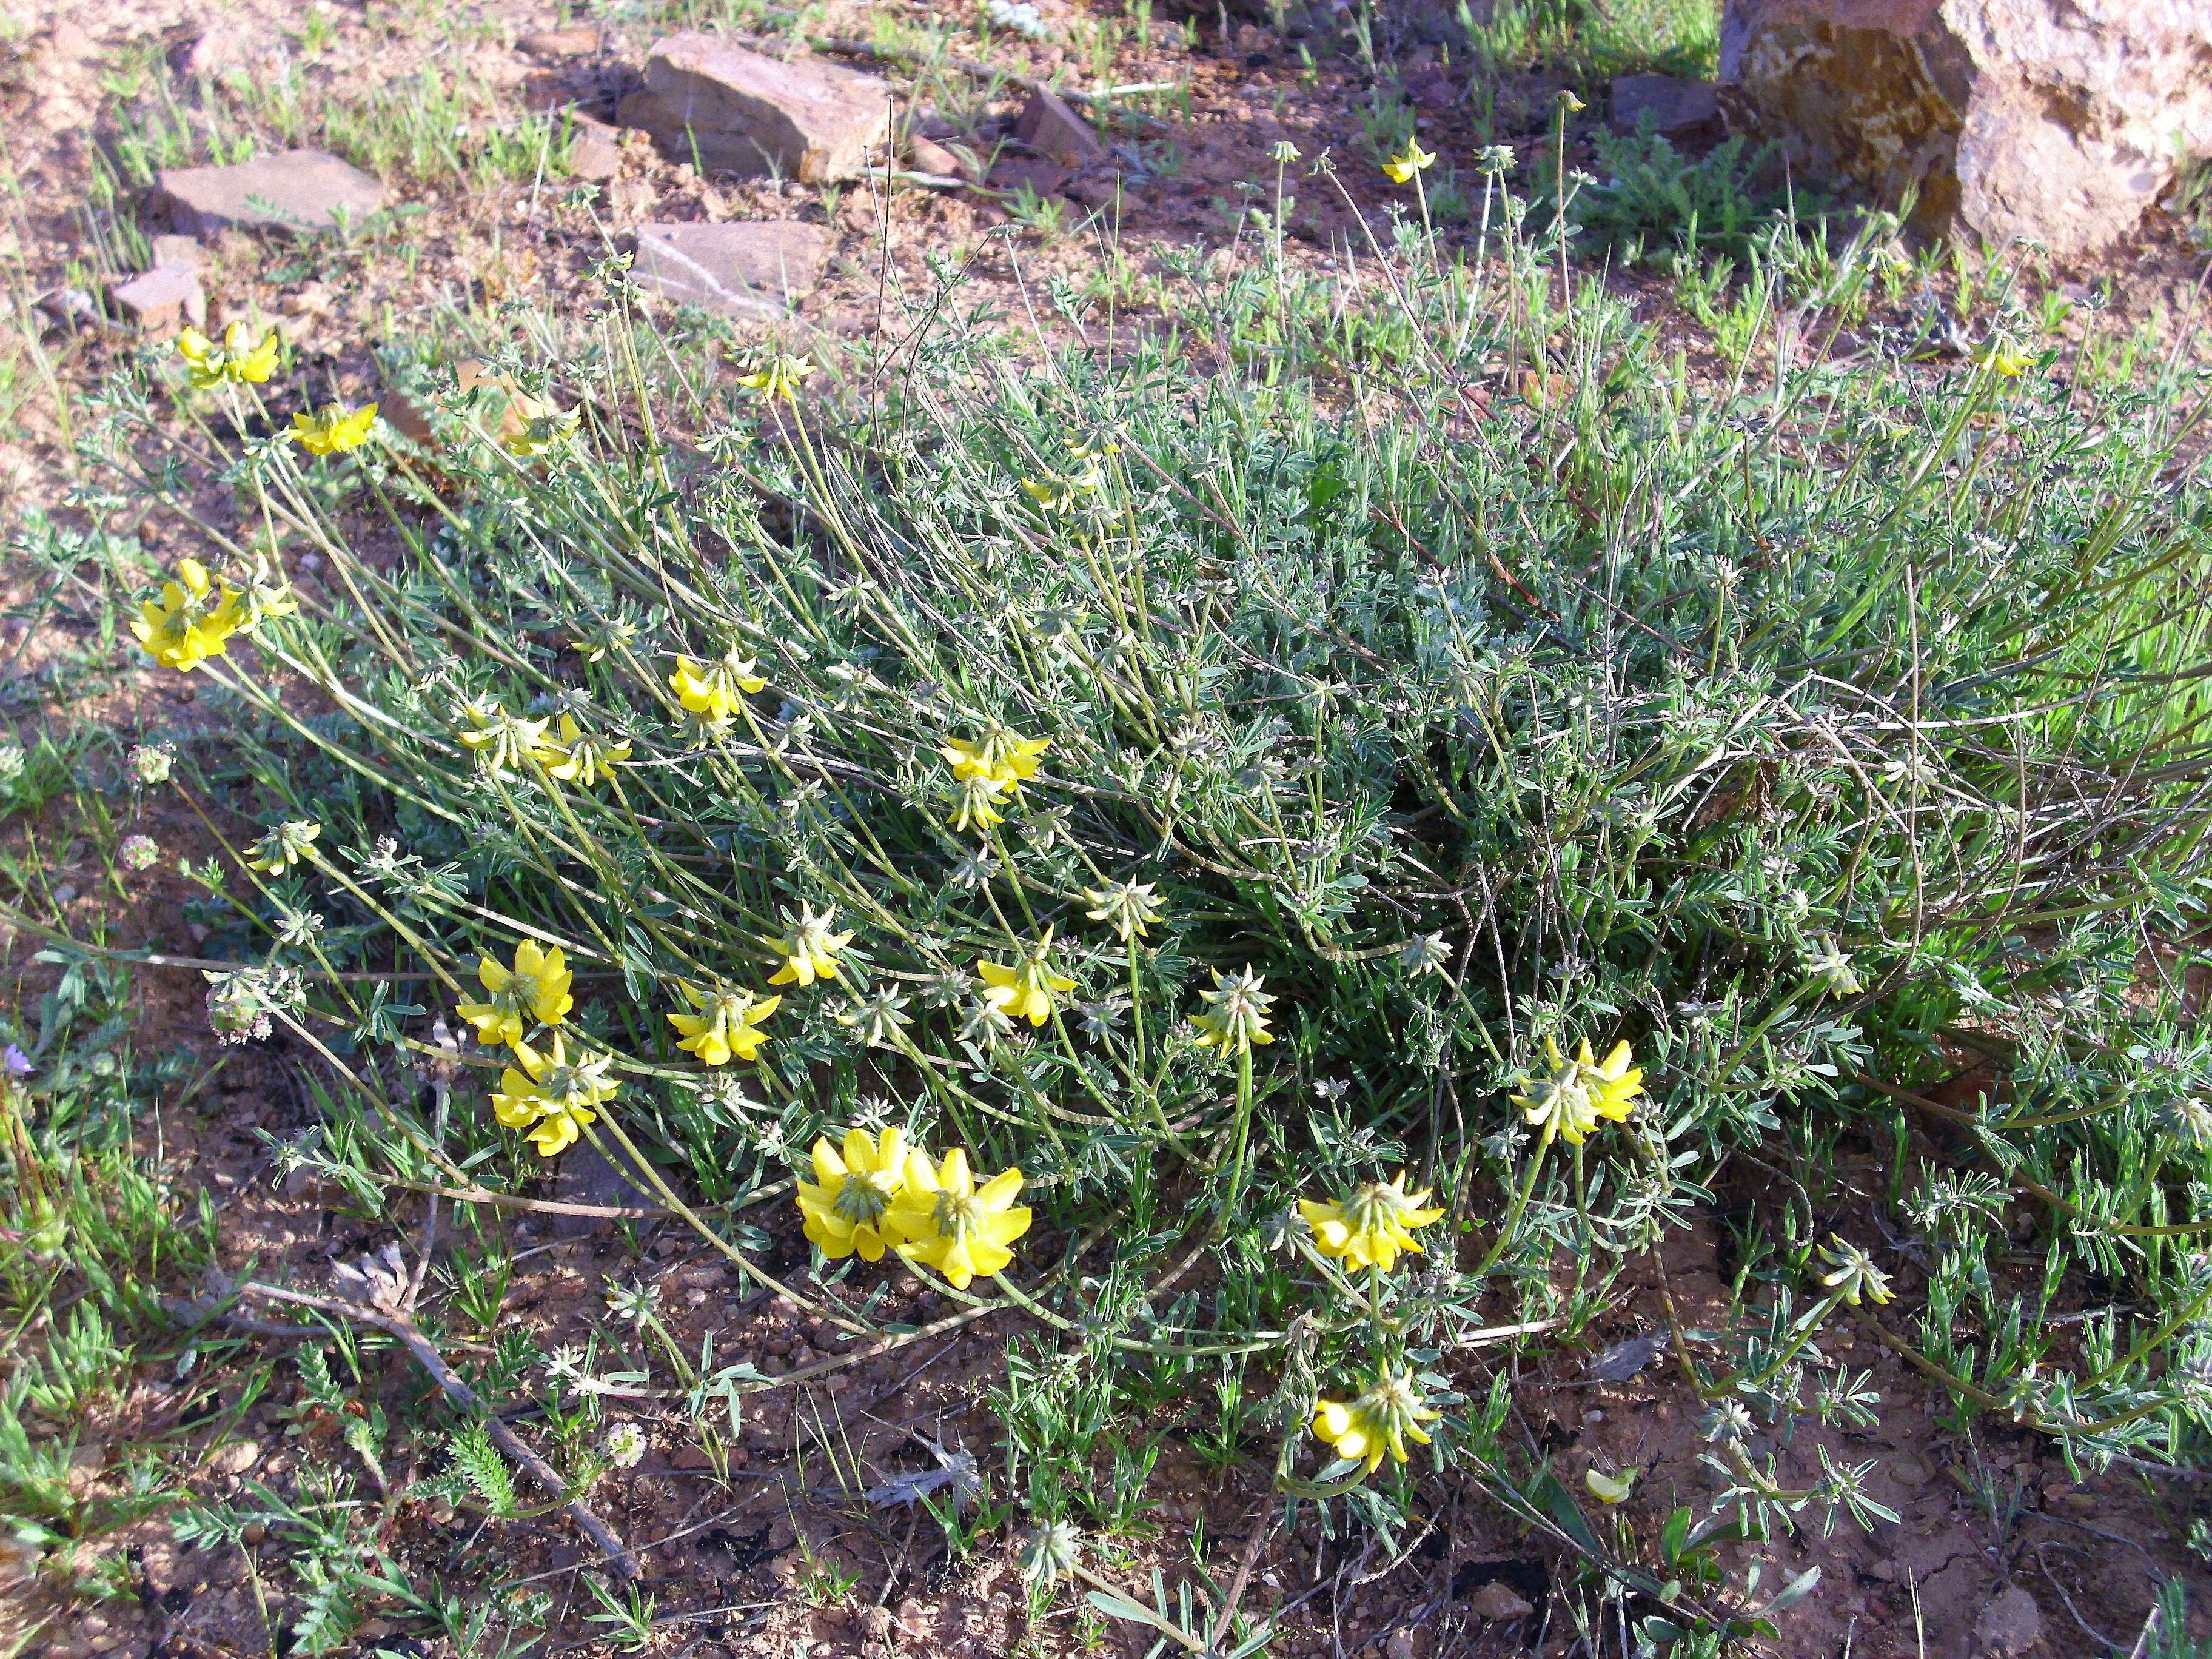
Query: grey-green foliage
point(1799, 737)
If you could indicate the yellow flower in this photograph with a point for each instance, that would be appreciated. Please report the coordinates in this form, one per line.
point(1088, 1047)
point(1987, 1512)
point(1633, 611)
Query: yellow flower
point(284, 846)
point(979, 805)
point(192, 620)
point(532, 992)
point(849, 1204)
point(1128, 905)
point(715, 690)
point(552, 1096)
point(809, 950)
point(540, 426)
point(779, 377)
point(1570, 1103)
point(1239, 1016)
point(945, 1221)
point(1025, 990)
point(1381, 1420)
point(1371, 1228)
point(1061, 492)
point(501, 741)
point(1854, 1275)
point(726, 1023)
point(1401, 169)
point(585, 757)
point(334, 430)
point(1002, 755)
point(2001, 357)
point(235, 359)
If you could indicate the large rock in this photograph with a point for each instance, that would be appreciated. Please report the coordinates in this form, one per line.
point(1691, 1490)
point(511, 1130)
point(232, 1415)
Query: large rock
point(296, 190)
point(730, 110)
point(2055, 120)
point(751, 269)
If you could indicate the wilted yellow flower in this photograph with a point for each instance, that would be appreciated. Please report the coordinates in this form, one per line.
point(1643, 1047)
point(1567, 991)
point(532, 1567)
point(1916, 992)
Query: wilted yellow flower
point(947, 1222)
point(714, 690)
point(1238, 1018)
point(1570, 1103)
point(552, 1096)
point(779, 377)
point(1401, 169)
point(1061, 492)
point(809, 950)
point(1854, 1275)
point(1128, 907)
point(725, 1023)
point(585, 757)
point(848, 1205)
point(1380, 1421)
point(334, 430)
point(503, 742)
point(1371, 1227)
point(978, 807)
point(1025, 990)
point(542, 425)
point(1610, 1488)
point(532, 992)
point(192, 620)
point(284, 846)
point(236, 359)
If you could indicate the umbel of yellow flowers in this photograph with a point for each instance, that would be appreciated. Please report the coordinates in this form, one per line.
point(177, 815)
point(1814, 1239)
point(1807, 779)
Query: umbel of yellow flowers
point(1372, 1226)
point(552, 1095)
point(724, 1022)
point(534, 992)
point(809, 950)
point(237, 358)
point(1579, 1094)
point(1380, 1421)
point(334, 430)
point(876, 1195)
point(716, 690)
point(193, 620)
point(1025, 990)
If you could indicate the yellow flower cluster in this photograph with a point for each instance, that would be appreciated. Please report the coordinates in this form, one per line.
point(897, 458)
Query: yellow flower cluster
point(502, 743)
point(1579, 1094)
point(1381, 1420)
point(548, 1092)
point(334, 430)
point(193, 620)
point(1025, 990)
point(875, 1195)
point(1371, 1227)
point(989, 771)
point(715, 691)
point(237, 359)
point(723, 1023)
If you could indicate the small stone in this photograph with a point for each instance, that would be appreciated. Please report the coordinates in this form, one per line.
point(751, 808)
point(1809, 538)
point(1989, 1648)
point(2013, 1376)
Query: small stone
point(561, 43)
point(1399, 1646)
point(231, 50)
point(1041, 178)
point(927, 157)
point(65, 892)
point(1593, 1416)
point(1049, 126)
point(752, 269)
point(1910, 1471)
point(1497, 1600)
point(690, 1457)
point(593, 152)
point(2009, 1625)
point(164, 298)
point(171, 250)
point(93, 1624)
point(296, 190)
point(1675, 107)
point(1885, 1571)
point(236, 1458)
point(730, 109)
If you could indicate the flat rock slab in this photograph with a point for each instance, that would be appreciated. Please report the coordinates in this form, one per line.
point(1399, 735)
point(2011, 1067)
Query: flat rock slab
point(1049, 126)
point(1675, 107)
point(729, 110)
point(164, 298)
point(297, 189)
point(751, 268)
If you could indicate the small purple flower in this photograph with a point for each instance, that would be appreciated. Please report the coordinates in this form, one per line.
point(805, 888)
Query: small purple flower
point(17, 1062)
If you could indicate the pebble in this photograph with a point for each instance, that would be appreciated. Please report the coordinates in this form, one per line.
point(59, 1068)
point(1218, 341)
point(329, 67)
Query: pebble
point(1593, 1416)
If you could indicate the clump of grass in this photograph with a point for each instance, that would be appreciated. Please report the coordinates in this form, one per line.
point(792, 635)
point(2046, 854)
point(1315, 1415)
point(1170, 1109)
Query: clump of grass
point(1396, 852)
